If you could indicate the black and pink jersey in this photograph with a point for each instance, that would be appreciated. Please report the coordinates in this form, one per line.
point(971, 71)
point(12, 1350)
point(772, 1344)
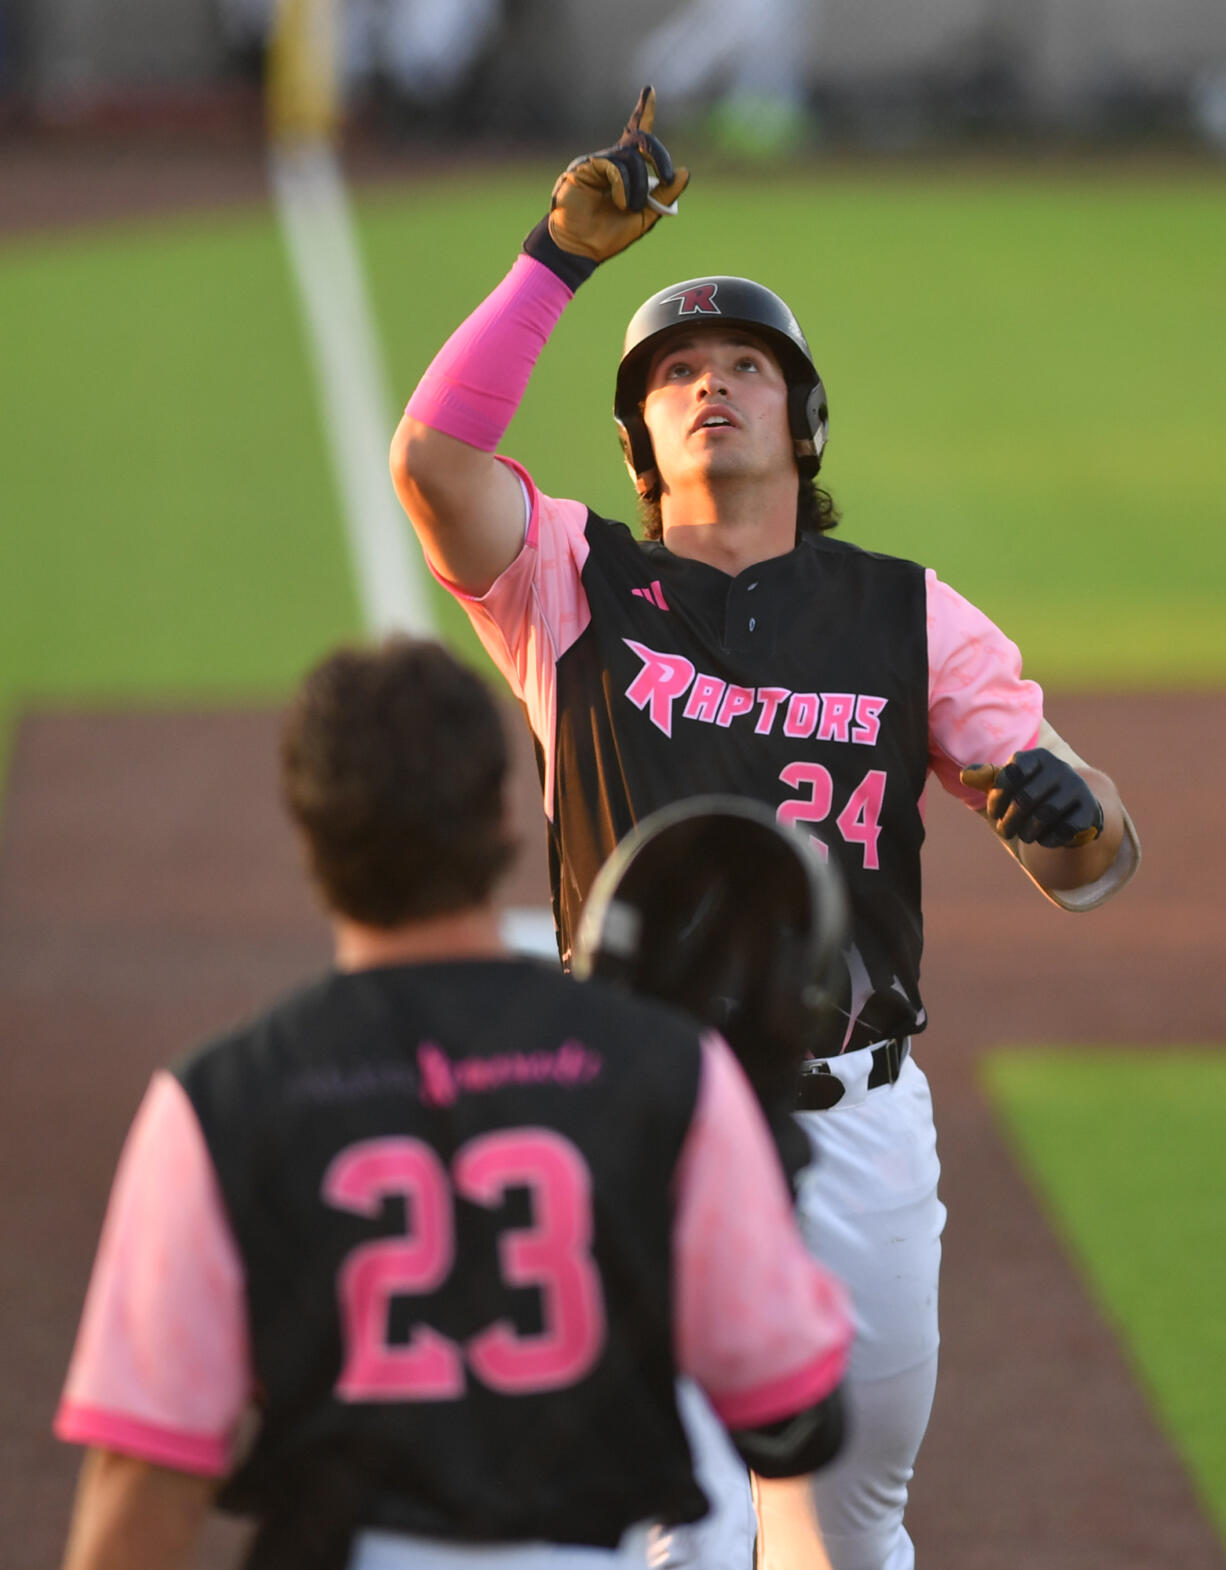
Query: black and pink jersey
point(828, 683)
point(455, 1228)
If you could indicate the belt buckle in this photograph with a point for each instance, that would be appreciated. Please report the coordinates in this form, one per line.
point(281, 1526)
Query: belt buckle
point(887, 1062)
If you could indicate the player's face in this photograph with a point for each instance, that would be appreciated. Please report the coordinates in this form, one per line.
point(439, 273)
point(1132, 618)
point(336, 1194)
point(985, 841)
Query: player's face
point(716, 406)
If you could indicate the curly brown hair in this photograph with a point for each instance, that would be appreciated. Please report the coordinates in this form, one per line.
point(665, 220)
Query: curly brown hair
point(393, 768)
point(815, 510)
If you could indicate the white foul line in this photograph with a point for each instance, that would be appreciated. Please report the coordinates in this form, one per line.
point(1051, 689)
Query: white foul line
point(318, 230)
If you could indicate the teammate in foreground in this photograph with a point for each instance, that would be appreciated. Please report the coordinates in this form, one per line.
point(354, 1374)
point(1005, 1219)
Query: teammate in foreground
point(739, 648)
point(449, 1222)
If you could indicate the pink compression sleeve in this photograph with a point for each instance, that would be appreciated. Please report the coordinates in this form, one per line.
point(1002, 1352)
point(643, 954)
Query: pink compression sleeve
point(474, 383)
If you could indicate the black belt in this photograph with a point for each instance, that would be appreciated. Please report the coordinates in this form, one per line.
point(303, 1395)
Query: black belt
point(819, 1088)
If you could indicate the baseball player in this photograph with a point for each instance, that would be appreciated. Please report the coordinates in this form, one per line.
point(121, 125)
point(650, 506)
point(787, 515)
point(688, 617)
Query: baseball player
point(445, 1224)
point(737, 647)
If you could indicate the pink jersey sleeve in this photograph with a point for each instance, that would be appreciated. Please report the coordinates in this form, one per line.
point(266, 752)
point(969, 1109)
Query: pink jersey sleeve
point(161, 1366)
point(980, 709)
point(536, 610)
point(761, 1326)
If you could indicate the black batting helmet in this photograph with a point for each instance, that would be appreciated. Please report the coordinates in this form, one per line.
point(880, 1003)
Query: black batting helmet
point(738, 302)
point(713, 906)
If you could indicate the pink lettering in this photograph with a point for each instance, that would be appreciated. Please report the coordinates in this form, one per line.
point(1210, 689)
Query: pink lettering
point(860, 820)
point(481, 1073)
point(801, 715)
point(837, 710)
point(703, 702)
point(437, 1081)
point(428, 1366)
point(770, 698)
point(868, 724)
point(576, 1065)
point(810, 809)
point(442, 1080)
point(553, 1254)
point(737, 700)
point(659, 684)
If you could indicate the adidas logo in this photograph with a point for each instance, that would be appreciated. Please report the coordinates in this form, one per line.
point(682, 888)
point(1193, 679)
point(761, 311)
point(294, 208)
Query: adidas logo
point(655, 594)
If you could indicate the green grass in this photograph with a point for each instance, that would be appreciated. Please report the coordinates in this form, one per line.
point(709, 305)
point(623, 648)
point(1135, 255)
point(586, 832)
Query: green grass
point(1025, 384)
point(171, 524)
point(1129, 1158)
point(1026, 387)
point(170, 527)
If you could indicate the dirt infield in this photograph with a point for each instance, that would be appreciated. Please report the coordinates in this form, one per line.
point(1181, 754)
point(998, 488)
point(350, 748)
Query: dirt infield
point(149, 894)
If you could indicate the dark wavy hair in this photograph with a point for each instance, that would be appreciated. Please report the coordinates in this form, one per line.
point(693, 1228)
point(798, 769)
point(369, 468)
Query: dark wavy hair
point(393, 768)
point(815, 510)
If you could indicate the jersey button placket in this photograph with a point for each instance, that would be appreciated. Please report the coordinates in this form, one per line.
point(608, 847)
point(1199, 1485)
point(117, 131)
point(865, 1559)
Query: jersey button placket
point(743, 625)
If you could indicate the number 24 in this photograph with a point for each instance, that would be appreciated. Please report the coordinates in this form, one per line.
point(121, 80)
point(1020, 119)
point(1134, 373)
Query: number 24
point(860, 820)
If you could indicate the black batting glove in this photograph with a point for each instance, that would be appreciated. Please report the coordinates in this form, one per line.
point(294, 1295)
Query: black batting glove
point(604, 201)
point(1039, 799)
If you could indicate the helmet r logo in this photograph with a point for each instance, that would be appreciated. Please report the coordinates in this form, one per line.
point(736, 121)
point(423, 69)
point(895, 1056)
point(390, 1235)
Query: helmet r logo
point(698, 301)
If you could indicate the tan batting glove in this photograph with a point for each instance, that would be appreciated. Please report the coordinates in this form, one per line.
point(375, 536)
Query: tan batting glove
point(607, 200)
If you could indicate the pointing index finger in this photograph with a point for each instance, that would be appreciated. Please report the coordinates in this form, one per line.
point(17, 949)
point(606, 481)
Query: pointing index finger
point(643, 115)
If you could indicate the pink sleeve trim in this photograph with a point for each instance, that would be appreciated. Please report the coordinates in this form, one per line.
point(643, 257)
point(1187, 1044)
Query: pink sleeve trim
point(201, 1454)
point(980, 707)
point(474, 384)
point(785, 1396)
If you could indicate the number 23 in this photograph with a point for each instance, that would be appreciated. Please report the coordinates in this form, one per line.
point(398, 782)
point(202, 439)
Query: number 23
point(553, 1255)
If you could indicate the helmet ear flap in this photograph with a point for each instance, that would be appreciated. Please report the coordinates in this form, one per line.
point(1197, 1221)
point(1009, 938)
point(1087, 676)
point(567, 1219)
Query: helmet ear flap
point(809, 423)
point(637, 450)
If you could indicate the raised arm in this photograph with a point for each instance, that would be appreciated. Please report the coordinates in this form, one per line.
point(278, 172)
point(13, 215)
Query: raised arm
point(467, 508)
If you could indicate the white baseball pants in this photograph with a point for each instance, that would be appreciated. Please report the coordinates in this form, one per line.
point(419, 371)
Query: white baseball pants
point(869, 1211)
point(399, 1551)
